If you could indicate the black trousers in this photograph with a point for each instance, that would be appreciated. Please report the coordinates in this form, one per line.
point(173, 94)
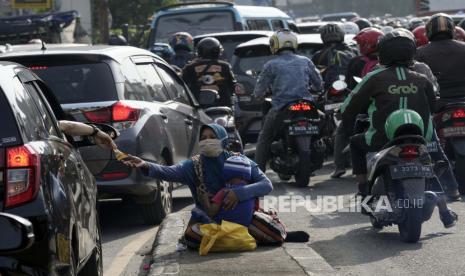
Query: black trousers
point(358, 152)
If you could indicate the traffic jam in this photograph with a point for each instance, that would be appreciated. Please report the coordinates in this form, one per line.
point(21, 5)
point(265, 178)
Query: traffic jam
point(236, 138)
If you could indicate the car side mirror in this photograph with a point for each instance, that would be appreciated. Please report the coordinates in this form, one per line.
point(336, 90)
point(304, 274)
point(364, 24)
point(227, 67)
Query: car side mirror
point(208, 97)
point(17, 233)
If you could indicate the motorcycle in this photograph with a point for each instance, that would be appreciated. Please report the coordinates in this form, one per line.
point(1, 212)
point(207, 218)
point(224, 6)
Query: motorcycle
point(450, 126)
point(298, 149)
point(403, 187)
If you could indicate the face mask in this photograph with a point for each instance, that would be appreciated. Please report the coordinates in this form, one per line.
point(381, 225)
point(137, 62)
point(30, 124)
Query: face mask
point(210, 147)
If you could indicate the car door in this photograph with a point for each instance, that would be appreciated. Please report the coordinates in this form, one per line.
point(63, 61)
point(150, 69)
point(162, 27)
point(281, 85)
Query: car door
point(183, 103)
point(70, 181)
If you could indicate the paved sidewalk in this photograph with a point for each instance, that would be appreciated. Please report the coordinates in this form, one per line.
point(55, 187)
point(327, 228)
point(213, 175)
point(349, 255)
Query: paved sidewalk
point(291, 259)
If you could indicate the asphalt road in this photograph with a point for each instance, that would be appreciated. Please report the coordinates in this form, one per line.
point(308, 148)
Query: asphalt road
point(346, 240)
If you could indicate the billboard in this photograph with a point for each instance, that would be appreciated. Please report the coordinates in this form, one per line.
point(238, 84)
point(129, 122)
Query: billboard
point(31, 4)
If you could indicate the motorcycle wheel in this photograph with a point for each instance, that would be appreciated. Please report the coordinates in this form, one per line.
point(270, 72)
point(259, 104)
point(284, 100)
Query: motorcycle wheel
point(376, 225)
point(284, 177)
point(302, 177)
point(460, 172)
point(410, 228)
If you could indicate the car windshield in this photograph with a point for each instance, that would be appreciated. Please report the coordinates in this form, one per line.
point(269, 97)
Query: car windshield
point(194, 23)
point(78, 83)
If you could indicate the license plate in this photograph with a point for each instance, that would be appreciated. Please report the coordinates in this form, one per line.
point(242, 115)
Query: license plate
point(245, 98)
point(304, 130)
point(334, 106)
point(453, 131)
point(432, 146)
point(411, 170)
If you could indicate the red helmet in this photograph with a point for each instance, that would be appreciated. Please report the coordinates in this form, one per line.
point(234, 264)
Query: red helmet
point(459, 34)
point(367, 40)
point(420, 36)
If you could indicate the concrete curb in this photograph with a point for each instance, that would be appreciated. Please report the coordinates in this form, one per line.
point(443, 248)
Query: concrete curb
point(165, 257)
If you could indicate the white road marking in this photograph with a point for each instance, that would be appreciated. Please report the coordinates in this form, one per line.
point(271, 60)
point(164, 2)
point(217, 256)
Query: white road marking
point(124, 256)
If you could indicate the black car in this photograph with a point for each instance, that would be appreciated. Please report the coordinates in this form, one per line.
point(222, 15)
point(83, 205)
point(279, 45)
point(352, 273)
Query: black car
point(44, 180)
point(230, 40)
point(139, 94)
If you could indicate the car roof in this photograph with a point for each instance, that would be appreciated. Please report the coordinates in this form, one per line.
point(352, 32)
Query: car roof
point(235, 33)
point(261, 11)
point(301, 38)
point(117, 53)
point(33, 46)
point(314, 23)
point(339, 14)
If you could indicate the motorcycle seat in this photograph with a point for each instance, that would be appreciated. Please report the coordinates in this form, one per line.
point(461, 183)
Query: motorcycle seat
point(217, 110)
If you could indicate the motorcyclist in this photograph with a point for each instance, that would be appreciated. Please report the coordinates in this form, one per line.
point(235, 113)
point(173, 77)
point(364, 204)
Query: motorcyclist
point(420, 36)
point(286, 85)
point(415, 23)
point(163, 50)
point(183, 46)
point(380, 94)
point(359, 66)
point(335, 49)
point(362, 23)
point(444, 56)
point(208, 72)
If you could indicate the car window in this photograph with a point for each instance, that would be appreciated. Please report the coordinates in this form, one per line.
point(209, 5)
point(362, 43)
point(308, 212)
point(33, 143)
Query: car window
point(149, 75)
point(9, 134)
point(277, 24)
point(29, 119)
point(175, 88)
point(43, 109)
point(134, 86)
point(252, 59)
point(258, 24)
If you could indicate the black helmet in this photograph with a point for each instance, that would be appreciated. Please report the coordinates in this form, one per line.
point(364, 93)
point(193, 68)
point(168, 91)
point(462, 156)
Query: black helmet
point(332, 33)
point(117, 40)
point(209, 48)
point(414, 23)
point(362, 23)
point(440, 23)
point(397, 48)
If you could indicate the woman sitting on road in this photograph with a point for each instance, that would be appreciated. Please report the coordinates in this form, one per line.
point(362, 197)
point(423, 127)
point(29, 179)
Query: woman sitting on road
point(213, 139)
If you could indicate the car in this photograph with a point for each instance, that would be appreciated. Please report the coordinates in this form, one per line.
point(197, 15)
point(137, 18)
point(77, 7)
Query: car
point(247, 62)
point(139, 94)
point(230, 40)
point(340, 16)
point(198, 18)
point(45, 181)
point(311, 27)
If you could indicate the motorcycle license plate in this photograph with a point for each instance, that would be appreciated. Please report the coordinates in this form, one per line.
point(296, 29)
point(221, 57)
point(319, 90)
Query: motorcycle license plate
point(410, 171)
point(245, 98)
point(453, 131)
point(330, 107)
point(304, 130)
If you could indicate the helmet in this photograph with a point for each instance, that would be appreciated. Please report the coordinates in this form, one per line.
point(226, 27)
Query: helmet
point(459, 34)
point(350, 28)
point(117, 40)
point(415, 23)
point(367, 40)
point(362, 23)
point(462, 24)
point(283, 40)
point(440, 23)
point(209, 48)
point(182, 41)
point(402, 120)
point(332, 33)
point(420, 36)
point(163, 50)
point(387, 29)
point(397, 47)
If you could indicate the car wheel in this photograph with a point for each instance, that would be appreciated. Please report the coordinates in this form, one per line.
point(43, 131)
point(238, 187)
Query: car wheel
point(155, 211)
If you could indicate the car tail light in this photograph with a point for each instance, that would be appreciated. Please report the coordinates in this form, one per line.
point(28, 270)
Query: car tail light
point(22, 175)
point(102, 115)
point(113, 176)
point(300, 107)
point(120, 114)
point(409, 152)
point(124, 113)
point(458, 114)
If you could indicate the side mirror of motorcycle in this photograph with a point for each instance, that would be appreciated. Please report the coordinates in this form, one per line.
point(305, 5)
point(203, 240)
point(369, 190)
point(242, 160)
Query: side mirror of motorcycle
point(339, 85)
point(208, 97)
point(17, 233)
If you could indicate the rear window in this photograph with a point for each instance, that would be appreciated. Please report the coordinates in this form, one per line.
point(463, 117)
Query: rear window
point(252, 59)
point(9, 135)
point(194, 23)
point(78, 83)
point(229, 45)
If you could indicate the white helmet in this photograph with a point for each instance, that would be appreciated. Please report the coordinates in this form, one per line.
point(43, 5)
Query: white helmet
point(350, 28)
point(387, 29)
point(283, 40)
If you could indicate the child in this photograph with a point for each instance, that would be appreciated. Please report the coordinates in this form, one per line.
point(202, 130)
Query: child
point(237, 172)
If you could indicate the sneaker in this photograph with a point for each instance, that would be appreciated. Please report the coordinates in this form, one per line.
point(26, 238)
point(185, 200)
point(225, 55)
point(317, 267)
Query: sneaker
point(338, 173)
point(449, 219)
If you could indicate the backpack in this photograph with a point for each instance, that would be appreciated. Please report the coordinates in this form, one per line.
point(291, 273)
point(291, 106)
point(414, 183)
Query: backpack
point(337, 64)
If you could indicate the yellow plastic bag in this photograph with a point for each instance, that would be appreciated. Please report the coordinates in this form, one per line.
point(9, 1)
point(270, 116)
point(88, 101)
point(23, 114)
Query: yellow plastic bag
point(225, 237)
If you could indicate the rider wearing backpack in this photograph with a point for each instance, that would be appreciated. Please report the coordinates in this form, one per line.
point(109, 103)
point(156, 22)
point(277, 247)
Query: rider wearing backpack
point(333, 60)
